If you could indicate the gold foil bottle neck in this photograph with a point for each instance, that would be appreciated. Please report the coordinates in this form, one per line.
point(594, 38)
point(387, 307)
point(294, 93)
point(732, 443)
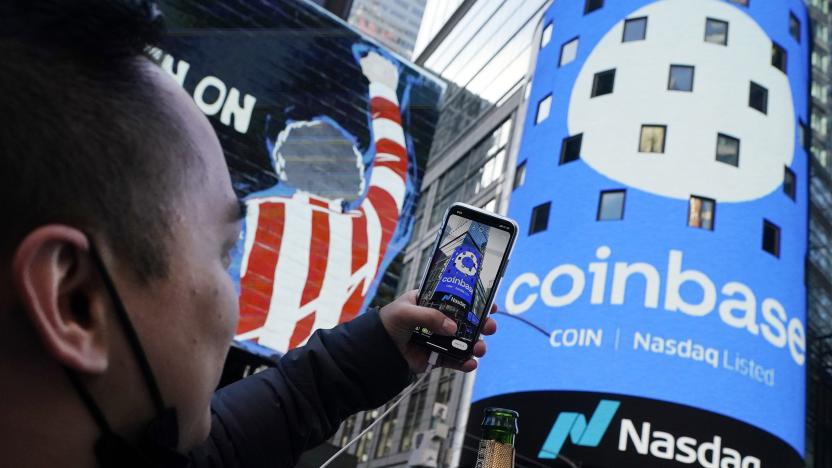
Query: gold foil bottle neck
point(493, 454)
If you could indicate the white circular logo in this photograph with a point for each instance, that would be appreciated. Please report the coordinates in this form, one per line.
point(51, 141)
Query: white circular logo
point(466, 262)
point(718, 103)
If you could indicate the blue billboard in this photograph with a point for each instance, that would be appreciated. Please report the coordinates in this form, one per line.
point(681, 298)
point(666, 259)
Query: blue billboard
point(460, 274)
point(663, 222)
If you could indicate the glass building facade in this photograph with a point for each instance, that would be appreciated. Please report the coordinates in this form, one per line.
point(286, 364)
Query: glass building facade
point(819, 263)
point(482, 50)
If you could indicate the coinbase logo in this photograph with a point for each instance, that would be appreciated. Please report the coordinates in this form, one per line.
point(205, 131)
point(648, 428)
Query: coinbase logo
point(575, 427)
point(686, 164)
point(466, 262)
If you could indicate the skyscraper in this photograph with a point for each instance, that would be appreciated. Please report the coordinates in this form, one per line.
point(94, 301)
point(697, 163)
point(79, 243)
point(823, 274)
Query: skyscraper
point(819, 264)
point(394, 24)
point(482, 50)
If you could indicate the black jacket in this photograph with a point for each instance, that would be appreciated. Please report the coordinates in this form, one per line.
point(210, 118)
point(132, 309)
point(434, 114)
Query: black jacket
point(269, 419)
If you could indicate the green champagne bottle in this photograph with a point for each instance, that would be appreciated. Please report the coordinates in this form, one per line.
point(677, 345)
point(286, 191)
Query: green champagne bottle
point(499, 428)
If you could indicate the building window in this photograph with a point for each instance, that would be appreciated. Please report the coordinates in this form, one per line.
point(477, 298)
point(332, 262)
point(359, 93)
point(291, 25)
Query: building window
point(519, 175)
point(789, 183)
point(820, 32)
point(680, 78)
point(479, 168)
point(758, 97)
point(570, 149)
point(543, 108)
point(701, 213)
point(546, 36)
point(821, 155)
point(778, 57)
point(603, 83)
point(385, 439)
point(424, 259)
point(404, 276)
point(635, 29)
point(540, 218)
point(771, 238)
point(415, 407)
point(716, 31)
point(362, 452)
point(652, 139)
point(818, 122)
point(443, 389)
point(611, 205)
point(592, 5)
point(803, 134)
point(569, 52)
point(728, 149)
point(820, 92)
point(491, 205)
point(794, 27)
point(346, 430)
point(820, 61)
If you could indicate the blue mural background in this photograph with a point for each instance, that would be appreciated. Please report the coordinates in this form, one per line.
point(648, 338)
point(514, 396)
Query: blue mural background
point(302, 64)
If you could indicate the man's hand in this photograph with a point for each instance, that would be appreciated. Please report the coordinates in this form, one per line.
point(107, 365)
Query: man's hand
point(402, 316)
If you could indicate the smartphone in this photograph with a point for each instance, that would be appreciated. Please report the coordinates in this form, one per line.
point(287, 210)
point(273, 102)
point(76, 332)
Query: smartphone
point(469, 258)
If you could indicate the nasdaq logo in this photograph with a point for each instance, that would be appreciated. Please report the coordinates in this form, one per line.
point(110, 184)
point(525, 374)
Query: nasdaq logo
point(575, 426)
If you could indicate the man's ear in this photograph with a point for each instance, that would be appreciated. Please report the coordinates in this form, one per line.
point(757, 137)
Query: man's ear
point(61, 292)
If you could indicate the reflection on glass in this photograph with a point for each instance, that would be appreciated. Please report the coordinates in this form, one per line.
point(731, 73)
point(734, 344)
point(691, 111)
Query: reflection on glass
point(611, 205)
point(716, 31)
point(484, 59)
point(569, 52)
point(546, 36)
point(652, 139)
point(681, 78)
point(728, 150)
point(701, 213)
point(543, 108)
point(491, 205)
point(635, 29)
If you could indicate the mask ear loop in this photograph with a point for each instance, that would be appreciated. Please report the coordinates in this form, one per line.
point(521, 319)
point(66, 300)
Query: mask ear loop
point(129, 331)
point(89, 402)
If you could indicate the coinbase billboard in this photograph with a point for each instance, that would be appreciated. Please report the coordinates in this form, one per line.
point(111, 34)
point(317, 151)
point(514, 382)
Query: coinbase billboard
point(655, 304)
point(461, 272)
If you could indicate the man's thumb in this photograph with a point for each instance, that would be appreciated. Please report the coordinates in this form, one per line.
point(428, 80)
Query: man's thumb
point(432, 319)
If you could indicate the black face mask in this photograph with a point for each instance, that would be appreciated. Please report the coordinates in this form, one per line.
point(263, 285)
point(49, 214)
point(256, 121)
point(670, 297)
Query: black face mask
point(157, 446)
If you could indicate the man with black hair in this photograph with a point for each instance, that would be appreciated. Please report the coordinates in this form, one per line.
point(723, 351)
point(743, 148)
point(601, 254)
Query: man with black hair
point(116, 309)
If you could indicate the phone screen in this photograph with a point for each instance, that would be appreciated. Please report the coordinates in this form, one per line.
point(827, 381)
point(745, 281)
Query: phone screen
point(461, 275)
